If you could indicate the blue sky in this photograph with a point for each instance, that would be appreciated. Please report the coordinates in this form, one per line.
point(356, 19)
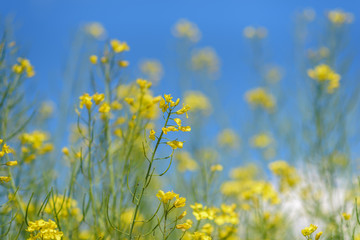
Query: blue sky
point(45, 29)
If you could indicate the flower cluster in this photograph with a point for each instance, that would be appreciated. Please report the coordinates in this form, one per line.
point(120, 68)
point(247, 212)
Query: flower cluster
point(33, 144)
point(259, 97)
point(323, 73)
point(288, 175)
point(24, 66)
point(308, 231)
point(41, 229)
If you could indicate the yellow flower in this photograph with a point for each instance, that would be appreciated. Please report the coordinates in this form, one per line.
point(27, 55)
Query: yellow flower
point(198, 102)
point(205, 60)
point(323, 73)
point(163, 105)
point(24, 65)
point(261, 140)
point(228, 138)
point(95, 29)
point(309, 230)
point(183, 110)
point(152, 135)
point(98, 98)
point(217, 167)
point(317, 237)
point(115, 105)
point(123, 63)
point(166, 197)
point(104, 108)
point(85, 99)
point(186, 29)
point(4, 179)
point(175, 144)
point(129, 100)
point(185, 162)
point(185, 226)
point(93, 59)
point(118, 46)
point(259, 97)
point(6, 149)
point(181, 216)
point(346, 216)
point(11, 163)
point(340, 17)
point(143, 84)
point(65, 151)
point(169, 129)
point(180, 202)
point(41, 229)
point(152, 69)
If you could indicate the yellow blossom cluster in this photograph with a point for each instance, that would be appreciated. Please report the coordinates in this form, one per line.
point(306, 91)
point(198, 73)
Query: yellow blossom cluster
point(118, 46)
point(206, 60)
point(65, 207)
point(323, 73)
point(152, 69)
point(33, 144)
point(41, 229)
point(198, 101)
point(185, 162)
point(168, 196)
point(340, 17)
point(24, 66)
point(261, 140)
point(248, 189)
point(187, 30)
point(308, 231)
point(95, 29)
point(288, 175)
point(227, 138)
point(259, 97)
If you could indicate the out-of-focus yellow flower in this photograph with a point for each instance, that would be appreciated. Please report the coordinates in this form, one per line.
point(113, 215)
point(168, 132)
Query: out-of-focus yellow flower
point(203, 212)
point(123, 63)
point(95, 29)
point(4, 179)
point(340, 17)
point(118, 46)
point(228, 139)
point(198, 102)
point(318, 235)
point(227, 214)
point(143, 84)
point(323, 73)
point(182, 215)
point(85, 99)
point(206, 60)
point(260, 97)
point(152, 135)
point(273, 75)
point(217, 168)
point(289, 177)
point(187, 30)
point(65, 151)
point(185, 162)
point(98, 98)
point(346, 216)
point(104, 108)
point(24, 66)
point(93, 59)
point(252, 32)
point(11, 163)
point(261, 140)
point(152, 69)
